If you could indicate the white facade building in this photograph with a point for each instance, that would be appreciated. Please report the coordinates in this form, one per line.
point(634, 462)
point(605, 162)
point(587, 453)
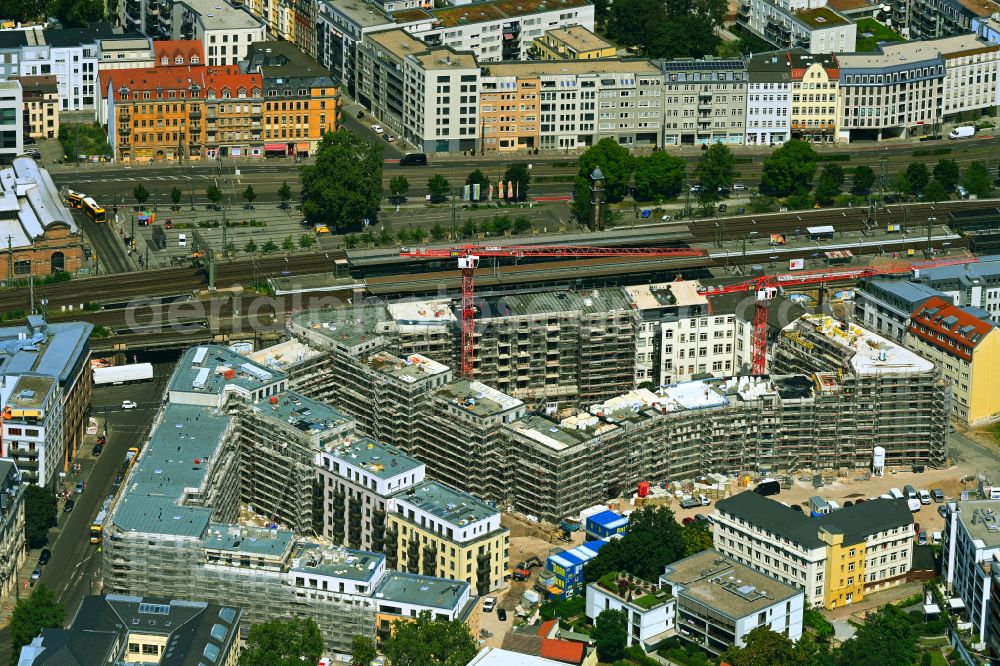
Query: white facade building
point(811, 24)
point(769, 99)
point(970, 539)
point(971, 67)
point(648, 618)
point(225, 31)
point(33, 434)
point(11, 120)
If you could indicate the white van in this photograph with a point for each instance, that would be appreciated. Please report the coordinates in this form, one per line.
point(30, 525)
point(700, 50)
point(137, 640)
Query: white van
point(965, 132)
point(182, 240)
point(896, 493)
point(925, 497)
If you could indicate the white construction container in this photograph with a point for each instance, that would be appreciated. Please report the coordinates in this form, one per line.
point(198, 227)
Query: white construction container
point(119, 374)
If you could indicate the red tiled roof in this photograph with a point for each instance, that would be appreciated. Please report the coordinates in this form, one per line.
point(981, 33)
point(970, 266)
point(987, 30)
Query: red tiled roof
point(961, 330)
point(185, 48)
point(546, 628)
point(165, 78)
point(565, 651)
point(218, 79)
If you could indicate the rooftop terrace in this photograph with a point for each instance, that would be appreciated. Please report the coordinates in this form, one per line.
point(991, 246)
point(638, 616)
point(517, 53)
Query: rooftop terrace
point(668, 294)
point(348, 326)
point(821, 17)
point(336, 561)
point(425, 591)
point(452, 506)
point(303, 413)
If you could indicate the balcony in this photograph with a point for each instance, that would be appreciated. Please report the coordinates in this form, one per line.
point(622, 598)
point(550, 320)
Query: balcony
point(194, 114)
point(125, 130)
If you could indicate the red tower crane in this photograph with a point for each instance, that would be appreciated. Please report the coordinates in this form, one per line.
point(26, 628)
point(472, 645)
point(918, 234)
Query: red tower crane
point(468, 259)
point(764, 288)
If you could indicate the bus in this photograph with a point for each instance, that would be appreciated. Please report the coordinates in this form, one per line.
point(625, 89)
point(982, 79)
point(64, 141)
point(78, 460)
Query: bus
point(74, 199)
point(93, 210)
point(97, 527)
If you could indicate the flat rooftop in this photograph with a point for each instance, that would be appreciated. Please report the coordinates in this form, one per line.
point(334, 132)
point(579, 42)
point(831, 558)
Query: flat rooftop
point(435, 312)
point(872, 354)
point(365, 14)
point(282, 355)
point(336, 561)
point(304, 414)
point(550, 433)
point(595, 66)
point(578, 38)
point(408, 588)
point(42, 348)
point(981, 519)
point(819, 18)
point(398, 42)
point(697, 394)
point(203, 369)
point(479, 399)
point(586, 302)
point(910, 53)
point(410, 369)
point(259, 541)
point(380, 459)
point(450, 505)
point(726, 586)
point(220, 15)
point(666, 294)
point(30, 392)
point(499, 10)
point(348, 326)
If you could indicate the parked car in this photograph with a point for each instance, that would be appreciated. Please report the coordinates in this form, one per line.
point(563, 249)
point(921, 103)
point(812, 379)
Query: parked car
point(925, 497)
point(35, 575)
point(695, 189)
point(377, 129)
point(943, 510)
point(723, 208)
point(687, 520)
point(702, 518)
point(739, 187)
point(690, 503)
point(102, 439)
point(44, 557)
point(489, 603)
point(938, 495)
point(922, 538)
point(704, 500)
point(69, 506)
point(797, 507)
point(501, 615)
point(389, 138)
point(97, 450)
point(128, 404)
point(80, 487)
point(665, 218)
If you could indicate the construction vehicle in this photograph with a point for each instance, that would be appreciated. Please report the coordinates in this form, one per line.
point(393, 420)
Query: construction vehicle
point(468, 257)
point(523, 569)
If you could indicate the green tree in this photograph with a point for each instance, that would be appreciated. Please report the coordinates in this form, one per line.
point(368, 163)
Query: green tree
point(615, 162)
point(653, 541)
point(887, 638)
point(141, 195)
point(306, 241)
point(716, 169)
point(78, 13)
point(634, 22)
point(39, 515)
point(343, 186)
point(863, 180)
point(520, 174)
point(469, 228)
point(789, 169)
point(230, 249)
point(214, 194)
point(765, 647)
point(831, 179)
point(425, 642)
point(283, 643)
point(682, 37)
point(438, 232)
point(39, 611)
point(502, 224)
point(250, 247)
point(384, 237)
point(946, 172)
point(439, 188)
point(935, 191)
point(270, 247)
point(362, 651)
point(900, 183)
point(285, 194)
point(175, 197)
point(404, 235)
point(419, 235)
point(815, 620)
point(696, 538)
point(610, 635)
point(580, 204)
point(660, 175)
point(976, 180)
point(917, 176)
point(288, 244)
point(522, 224)
point(478, 177)
point(249, 195)
point(398, 187)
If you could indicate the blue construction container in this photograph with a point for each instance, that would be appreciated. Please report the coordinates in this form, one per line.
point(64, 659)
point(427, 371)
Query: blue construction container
point(605, 524)
point(567, 567)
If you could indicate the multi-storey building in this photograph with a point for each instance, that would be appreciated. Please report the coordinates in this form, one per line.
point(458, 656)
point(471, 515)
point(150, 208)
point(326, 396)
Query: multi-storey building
point(45, 381)
point(769, 99)
point(13, 544)
point(574, 42)
point(231, 104)
point(835, 559)
point(12, 123)
point(815, 80)
point(40, 106)
point(885, 306)
point(965, 345)
point(970, 82)
point(439, 531)
point(71, 54)
point(38, 231)
point(226, 31)
point(932, 19)
point(704, 101)
point(358, 480)
point(975, 285)
point(560, 104)
point(301, 102)
point(400, 597)
point(810, 24)
point(852, 360)
point(123, 629)
point(969, 541)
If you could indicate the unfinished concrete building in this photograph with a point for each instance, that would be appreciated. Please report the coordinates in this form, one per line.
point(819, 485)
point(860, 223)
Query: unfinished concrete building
point(900, 400)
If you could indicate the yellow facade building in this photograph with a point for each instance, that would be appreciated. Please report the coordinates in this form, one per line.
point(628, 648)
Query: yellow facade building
point(966, 346)
point(438, 531)
point(815, 105)
point(572, 43)
point(845, 569)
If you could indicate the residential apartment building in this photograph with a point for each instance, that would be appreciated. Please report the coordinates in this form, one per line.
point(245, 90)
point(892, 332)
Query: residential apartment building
point(45, 382)
point(835, 559)
point(933, 19)
point(650, 611)
point(179, 526)
point(226, 31)
point(401, 597)
point(846, 357)
point(439, 531)
point(769, 99)
point(178, 53)
point(885, 306)
point(975, 285)
point(123, 629)
point(12, 122)
point(719, 601)
point(358, 480)
point(969, 540)
point(574, 42)
point(127, 51)
point(561, 104)
point(970, 82)
point(13, 544)
point(811, 24)
point(815, 82)
point(704, 101)
point(965, 345)
point(301, 102)
point(40, 106)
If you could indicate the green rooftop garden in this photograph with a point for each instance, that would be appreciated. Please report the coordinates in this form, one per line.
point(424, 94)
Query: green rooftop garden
point(871, 32)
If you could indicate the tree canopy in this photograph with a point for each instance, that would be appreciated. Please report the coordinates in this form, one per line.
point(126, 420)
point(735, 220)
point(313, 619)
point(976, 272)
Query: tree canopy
point(424, 642)
point(521, 175)
point(789, 169)
point(653, 541)
point(976, 180)
point(696, 537)
point(667, 29)
point(283, 643)
point(40, 512)
point(31, 615)
point(660, 175)
point(887, 638)
point(946, 172)
point(863, 180)
point(765, 647)
point(917, 176)
point(439, 188)
point(362, 651)
point(610, 635)
point(716, 169)
point(831, 179)
point(615, 162)
point(343, 186)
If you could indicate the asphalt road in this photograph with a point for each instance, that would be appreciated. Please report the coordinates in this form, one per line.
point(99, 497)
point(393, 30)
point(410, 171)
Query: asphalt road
point(109, 253)
point(75, 567)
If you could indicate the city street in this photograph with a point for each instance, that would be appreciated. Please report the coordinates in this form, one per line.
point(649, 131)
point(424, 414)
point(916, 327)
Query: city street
point(75, 568)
